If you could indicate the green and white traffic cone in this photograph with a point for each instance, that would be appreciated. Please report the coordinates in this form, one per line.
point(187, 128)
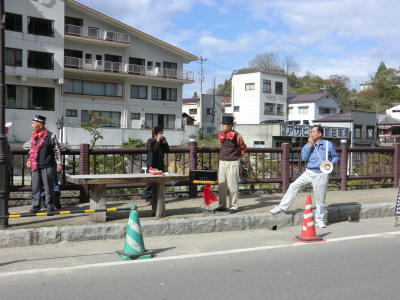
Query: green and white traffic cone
point(134, 246)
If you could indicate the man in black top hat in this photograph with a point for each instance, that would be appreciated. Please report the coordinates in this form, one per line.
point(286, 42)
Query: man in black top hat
point(44, 154)
point(232, 149)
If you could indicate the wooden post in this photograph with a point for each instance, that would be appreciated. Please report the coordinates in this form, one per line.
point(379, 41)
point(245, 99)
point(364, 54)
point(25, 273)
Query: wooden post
point(343, 164)
point(396, 165)
point(84, 170)
point(192, 166)
point(285, 167)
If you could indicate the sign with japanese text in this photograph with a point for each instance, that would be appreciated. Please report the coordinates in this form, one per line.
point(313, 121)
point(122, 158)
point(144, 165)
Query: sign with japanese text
point(304, 131)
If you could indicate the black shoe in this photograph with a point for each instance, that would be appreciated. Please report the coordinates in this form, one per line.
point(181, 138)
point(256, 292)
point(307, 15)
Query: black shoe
point(34, 210)
point(50, 209)
point(58, 206)
point(220, 208)
point(233, 211)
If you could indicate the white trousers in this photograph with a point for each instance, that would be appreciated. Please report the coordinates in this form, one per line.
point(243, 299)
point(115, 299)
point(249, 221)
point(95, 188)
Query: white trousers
point(228, 180)
point(319, 183)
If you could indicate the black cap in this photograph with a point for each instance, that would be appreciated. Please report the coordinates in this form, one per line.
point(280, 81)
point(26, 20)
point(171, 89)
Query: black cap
point(39, 118)
point(227, 120)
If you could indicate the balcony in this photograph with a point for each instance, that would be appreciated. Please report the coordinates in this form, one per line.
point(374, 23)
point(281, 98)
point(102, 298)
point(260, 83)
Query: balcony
point(273, 113)
point(126, 69)
point(97, 34)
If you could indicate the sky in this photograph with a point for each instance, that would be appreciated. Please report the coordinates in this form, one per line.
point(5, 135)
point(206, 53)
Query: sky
point(326, 37)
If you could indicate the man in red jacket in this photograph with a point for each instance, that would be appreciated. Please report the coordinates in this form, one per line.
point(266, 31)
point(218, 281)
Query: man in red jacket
point(232, 149)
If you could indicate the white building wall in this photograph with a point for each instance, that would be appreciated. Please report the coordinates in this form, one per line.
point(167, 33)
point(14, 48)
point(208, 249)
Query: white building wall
point(394, 112)
point(251, 103)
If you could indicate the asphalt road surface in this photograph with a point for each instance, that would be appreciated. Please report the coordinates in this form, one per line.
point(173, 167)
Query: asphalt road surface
point(357, 261)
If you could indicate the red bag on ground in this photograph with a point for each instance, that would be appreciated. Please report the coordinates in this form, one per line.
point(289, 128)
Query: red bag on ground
point(209, 196)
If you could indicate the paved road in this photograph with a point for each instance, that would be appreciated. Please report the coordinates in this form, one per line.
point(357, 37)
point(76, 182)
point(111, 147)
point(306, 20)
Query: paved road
point(358, 261)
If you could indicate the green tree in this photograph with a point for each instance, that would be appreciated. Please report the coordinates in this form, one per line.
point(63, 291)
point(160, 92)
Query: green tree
point(134, 143)
point(225, 88)
point(93, 127)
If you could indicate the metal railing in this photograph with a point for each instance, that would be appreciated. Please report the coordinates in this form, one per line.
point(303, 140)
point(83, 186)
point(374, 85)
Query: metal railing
point(97, 33)
point(269, 168)
point(108, 66)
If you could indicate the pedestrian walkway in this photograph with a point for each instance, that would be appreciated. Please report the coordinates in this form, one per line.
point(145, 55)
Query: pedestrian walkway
point(187, 208)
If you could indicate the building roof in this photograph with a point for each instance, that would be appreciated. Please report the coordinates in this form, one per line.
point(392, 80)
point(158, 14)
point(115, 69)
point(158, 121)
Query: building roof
point(257, 70)
point(186, 55)
point(388, 120)
point(185, 115)
point(346, 117)
point(190, 100)
point(305, 98)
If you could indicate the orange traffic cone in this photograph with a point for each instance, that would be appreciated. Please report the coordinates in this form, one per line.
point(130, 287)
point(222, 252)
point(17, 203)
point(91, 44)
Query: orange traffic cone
point(308, 234)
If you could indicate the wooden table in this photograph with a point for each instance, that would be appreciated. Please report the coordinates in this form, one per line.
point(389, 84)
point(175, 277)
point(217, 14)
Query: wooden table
point(97, 189)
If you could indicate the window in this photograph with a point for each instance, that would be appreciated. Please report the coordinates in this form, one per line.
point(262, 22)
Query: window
point(73, 21)
point(357, 131)
point(93, 32)
point(13, 57)
point(209, 111)
point(290, 111)
point(40, 26)
point(268, 108)
point(324, 110)
point(40, 60)
point(109, 118)
point(139, 91)
point(99, 60)
point(258, 144)
point(135, 116)
point(164, 94)
point(193, 111)
point(395, 110)
point(267, 86)
point(166, 121)
point(370, 132)
point(13, 22)
point(71, 113)
point(170, 65)
point(29, 97)
point(236, 108)
point(278, 88)
point(95, 88)
point(249, 86)
point(279, 109)
point(303, 110)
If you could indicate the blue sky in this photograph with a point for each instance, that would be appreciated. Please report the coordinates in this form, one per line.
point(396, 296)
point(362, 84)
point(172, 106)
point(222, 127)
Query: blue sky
point(326, 37)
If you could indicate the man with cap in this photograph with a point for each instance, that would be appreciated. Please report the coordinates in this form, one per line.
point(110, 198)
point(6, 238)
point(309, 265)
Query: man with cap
point(44, 154)
point(232, 149)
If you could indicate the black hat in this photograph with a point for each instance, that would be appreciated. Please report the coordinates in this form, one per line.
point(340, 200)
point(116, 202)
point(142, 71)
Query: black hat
point(39, 118)
point(227, 120)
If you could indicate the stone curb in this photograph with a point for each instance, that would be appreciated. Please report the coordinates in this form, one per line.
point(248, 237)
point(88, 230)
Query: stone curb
point(51, 235)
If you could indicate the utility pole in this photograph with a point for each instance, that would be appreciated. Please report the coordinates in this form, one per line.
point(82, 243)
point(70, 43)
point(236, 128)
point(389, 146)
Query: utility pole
point(213, 106)
point(4, 159)
point(202, 60)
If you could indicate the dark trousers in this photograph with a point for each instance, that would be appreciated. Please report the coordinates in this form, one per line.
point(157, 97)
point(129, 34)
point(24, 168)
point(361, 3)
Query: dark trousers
point(43, 177)
point(149, 193)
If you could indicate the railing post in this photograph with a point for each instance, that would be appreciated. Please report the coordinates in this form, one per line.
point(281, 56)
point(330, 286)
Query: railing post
point(343, 164)
point(192, 165)
point(396, 165)
point(84, 170)
point(285, 167)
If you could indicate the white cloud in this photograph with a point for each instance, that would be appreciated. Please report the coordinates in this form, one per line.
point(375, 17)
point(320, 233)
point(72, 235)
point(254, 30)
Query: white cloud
point(245, 42)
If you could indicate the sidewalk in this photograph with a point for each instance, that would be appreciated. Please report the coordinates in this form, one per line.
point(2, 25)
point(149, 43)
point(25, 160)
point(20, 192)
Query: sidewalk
point(182, 208)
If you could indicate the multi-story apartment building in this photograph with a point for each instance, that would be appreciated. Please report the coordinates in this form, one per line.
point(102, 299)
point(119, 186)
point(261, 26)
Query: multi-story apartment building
point(259, 96)
point(68, 61)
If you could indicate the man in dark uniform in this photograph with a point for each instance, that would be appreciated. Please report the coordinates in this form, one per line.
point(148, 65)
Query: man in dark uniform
point(44, 154)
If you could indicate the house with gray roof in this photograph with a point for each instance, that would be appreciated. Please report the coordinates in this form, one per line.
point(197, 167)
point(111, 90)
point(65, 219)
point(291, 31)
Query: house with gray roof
point(308, 107)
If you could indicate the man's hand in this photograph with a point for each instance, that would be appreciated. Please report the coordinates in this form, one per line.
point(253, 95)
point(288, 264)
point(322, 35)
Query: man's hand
point(28, 164)
point(310, 142)
point(158, 137)
point(59, 168)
